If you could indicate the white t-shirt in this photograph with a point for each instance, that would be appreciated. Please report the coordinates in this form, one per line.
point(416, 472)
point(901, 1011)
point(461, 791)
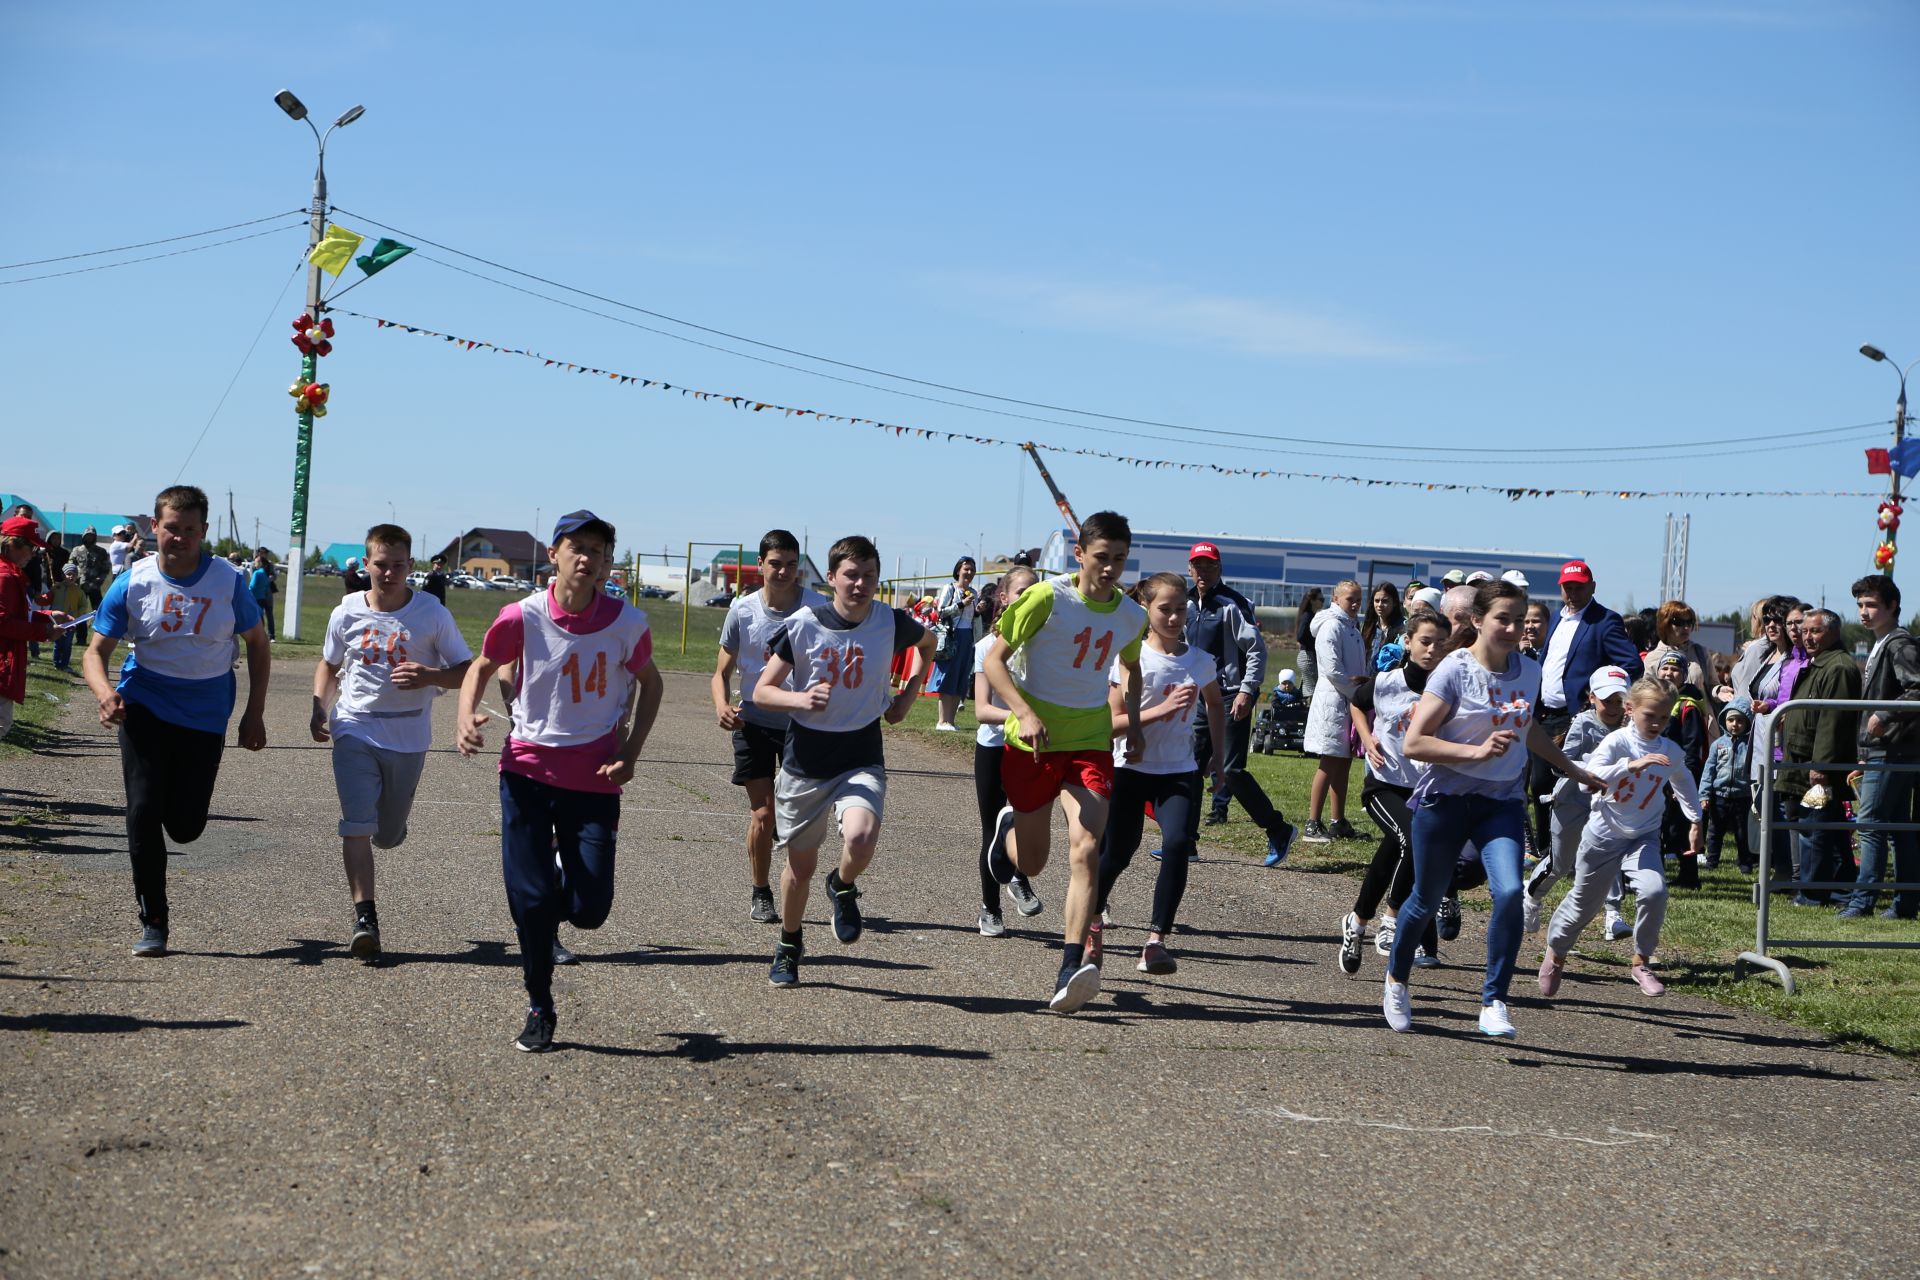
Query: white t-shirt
point(1168, 742)
point(989, 735)
point(117, 553)
point(366, 644)
point(1553, 665)
point(1630, 805)
point(748, 633)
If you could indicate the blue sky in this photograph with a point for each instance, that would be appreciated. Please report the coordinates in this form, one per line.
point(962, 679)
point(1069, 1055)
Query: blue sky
point(1449, 225)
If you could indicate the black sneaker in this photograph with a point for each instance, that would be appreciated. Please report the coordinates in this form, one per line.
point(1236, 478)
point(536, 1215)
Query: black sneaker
point(1343, 830)
point(1025, 900)
point(786, 965)
point(365, 944)
point(1217, 818)
point(1352, 933)
point(537, 1037)
point(153, 941)
point(1448, 918)
point(999, 865)
point(763, 911)
point(845, 899)
point(561, 955)
point(1315, 833)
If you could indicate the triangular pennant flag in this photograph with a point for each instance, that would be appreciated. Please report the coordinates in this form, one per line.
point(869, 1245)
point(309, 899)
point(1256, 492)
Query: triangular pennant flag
point(335, 250)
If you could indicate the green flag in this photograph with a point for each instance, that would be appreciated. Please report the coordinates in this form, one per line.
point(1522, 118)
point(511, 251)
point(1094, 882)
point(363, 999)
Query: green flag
point(385, 253)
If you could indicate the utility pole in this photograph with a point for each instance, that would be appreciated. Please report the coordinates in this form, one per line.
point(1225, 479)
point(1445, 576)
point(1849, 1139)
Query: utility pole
point(1890, 518)
point(309, 365)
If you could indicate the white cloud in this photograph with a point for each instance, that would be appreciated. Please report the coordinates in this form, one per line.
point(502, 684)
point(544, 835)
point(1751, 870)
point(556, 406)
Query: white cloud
point(1169, 316)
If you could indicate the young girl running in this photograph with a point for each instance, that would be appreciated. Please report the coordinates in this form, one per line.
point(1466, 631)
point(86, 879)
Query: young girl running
point(1174, 676)
point(1474, 727)
point(1381, 710)
point(1568, 809)
point(1623, 835)
point(989, 744)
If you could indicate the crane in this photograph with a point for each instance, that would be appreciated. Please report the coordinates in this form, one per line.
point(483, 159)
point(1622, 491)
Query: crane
point(1059, 498)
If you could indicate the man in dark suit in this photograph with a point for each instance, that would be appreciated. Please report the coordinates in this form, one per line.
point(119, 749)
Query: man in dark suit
point(1582, 637)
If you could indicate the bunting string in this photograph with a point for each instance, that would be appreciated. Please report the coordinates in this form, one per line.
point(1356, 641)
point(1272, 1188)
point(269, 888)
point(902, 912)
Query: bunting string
point(750, 404)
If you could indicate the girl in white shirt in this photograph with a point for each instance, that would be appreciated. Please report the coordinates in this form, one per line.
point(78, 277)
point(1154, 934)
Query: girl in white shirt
point(1174, 677)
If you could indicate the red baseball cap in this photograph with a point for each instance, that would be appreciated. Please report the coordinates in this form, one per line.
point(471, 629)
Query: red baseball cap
point(1576, 571)
point(1204, 551)
point(23, 527)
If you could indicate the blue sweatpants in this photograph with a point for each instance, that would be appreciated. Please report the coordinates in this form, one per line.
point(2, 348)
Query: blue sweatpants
point(1442, 825)
point(536, 822)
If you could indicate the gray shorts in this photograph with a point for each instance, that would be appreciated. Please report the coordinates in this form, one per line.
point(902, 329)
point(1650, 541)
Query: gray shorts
point(376, 789)
point(801, 806)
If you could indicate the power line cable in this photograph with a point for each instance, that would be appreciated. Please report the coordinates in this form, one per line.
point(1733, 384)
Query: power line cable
point(1568, 455)
point(144, 244)
point(221, 403)
point(154, 257)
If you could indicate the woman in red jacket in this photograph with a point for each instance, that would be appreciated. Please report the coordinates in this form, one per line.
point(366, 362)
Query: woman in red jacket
point(19, 624)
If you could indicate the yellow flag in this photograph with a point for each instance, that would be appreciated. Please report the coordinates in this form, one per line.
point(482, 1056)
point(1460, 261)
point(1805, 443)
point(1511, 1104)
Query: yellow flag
point(335, 250)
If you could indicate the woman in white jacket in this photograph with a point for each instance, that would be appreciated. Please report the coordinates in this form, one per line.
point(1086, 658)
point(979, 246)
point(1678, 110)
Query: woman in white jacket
point(1341, 660)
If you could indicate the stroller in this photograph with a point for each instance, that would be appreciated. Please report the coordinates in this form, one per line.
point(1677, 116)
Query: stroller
point(1282, 723)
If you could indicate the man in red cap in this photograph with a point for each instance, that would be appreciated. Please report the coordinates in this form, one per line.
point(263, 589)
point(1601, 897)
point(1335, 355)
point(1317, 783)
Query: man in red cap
point(19, 623)
point(1221, 622)
point(1582, 637)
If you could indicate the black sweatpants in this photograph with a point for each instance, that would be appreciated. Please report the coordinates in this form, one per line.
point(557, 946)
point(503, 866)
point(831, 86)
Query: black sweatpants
point(1241, 785)
point(1391, 807)
point(169, 771)
point(1175, 798)
point(991, 796)
point(1728, 817)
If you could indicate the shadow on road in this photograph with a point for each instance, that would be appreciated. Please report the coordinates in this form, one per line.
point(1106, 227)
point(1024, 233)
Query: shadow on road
point(702, 1046)
point(108, 1023)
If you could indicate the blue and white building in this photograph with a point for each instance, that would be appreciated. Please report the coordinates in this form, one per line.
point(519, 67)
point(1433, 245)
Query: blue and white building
point(1276, 572)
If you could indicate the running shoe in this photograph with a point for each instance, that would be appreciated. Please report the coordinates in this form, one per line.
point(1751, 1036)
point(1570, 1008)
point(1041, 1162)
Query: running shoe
point(1280, 837)
point(537, 1036)
point(1217, 817)
point(786, 965)
point(1025, 900)
point(1383, 936)
point(1648, 983)
point(1495, 1022)
point(999, 865)
point(1343, 830)
point(365, 943)
point(1425, 959)
point(991, 925)
point(762, 911)
point(1397, 1003)
point(153, 941)
point(1529, 914)
point(1448, 923)
point(561, 955)
point(947, 728)
point(1096, 950)
point(1617, 928)
point(845, 899)
point(1315, 833)
point(1550, 974)
point(1154, 959)
point(1075, 989)
point(1351, 936)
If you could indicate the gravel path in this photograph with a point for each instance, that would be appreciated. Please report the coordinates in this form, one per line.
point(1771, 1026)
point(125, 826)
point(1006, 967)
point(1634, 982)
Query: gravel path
point(260, 1104)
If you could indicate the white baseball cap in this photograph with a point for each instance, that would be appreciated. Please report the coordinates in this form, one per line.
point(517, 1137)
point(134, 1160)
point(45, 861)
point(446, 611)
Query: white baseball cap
point(1478, 576)
point(1428, 596)
point(1607, 681)
point(1288, 674)
point(1516, 577)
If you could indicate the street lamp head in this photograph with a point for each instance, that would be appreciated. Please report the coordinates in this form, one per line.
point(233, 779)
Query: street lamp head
point(1872, 352)
point(353, 114)
point(294, 108)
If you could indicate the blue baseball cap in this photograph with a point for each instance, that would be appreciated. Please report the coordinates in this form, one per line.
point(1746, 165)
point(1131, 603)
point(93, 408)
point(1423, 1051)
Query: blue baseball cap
point(575, 521)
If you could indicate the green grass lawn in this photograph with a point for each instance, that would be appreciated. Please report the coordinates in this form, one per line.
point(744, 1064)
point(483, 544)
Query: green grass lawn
point(47, 692)
point(1869, 998)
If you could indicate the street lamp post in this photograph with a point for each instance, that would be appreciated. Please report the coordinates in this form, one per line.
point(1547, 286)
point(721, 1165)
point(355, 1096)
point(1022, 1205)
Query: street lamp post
point(309, 362)
point(1878, 356)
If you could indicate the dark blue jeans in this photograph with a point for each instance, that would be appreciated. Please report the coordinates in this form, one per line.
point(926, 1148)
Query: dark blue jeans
point(1886, 797)
point(536, 822)
point(1823, 855)
point(1442, 826)
point(1175, 798)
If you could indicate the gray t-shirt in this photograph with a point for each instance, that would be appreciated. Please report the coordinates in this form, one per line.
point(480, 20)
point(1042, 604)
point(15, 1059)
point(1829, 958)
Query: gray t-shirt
point(749, 631)
point(1480, 702)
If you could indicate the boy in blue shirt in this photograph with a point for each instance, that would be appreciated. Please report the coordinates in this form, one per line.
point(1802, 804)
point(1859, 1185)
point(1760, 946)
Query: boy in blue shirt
point(182, 609)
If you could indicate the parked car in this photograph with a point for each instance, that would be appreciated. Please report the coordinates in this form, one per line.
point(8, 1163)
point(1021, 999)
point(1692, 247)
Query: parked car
point(722, 600)
point(325, 569)
point(506, 582)
point(417, 579)
point(654, 593)
point(617, 591)
point(467, 582)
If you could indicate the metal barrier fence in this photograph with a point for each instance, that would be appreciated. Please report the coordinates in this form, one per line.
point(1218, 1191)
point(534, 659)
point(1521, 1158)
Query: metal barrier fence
point(1765, 884)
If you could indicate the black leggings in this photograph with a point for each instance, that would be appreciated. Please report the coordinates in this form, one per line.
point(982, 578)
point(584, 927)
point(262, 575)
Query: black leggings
point(991, 797)
point(1175, 798)
point(1390, 874)
point(169, 771)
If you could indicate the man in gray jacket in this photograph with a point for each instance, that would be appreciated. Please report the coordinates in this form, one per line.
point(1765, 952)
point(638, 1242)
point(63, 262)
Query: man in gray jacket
point(1893, 673)
point(1221, 622)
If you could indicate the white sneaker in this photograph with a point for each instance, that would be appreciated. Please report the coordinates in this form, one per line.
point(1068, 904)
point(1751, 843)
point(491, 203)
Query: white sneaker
point(947, 728)
point(1495, 1022)
point(1397, 1003)
point(1529, 914)
point(1383, 936)
point(1617, 928)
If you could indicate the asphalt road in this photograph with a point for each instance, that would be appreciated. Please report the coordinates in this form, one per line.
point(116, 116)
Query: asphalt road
point(261, 1104)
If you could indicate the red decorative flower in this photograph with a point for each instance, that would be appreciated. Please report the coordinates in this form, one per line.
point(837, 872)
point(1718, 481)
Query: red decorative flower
point(311, 338)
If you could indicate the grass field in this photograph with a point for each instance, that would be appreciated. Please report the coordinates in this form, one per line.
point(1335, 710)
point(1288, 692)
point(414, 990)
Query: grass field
point(1863, 997)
